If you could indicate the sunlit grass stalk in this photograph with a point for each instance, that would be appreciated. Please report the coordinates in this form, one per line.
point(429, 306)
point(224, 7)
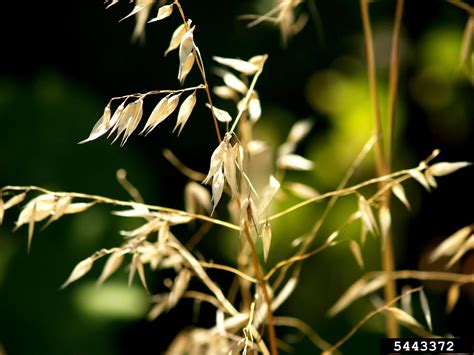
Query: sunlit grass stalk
point(382, 163)
point(263, 286)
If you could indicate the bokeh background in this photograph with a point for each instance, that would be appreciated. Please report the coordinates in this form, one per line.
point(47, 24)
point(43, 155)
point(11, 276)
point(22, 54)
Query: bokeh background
point(61, 63)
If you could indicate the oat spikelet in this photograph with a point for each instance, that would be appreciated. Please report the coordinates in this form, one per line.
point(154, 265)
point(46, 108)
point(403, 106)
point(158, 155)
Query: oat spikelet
point(141, 17)
point(101, 127)
point(162, 110)
point(179, 287)
point(367, 215)
point(266, 240)
point(221, 115)
point(426, 309)
point(15, 200)
point(163, 12)
point(452, 244)
point(233, 82)
point(79, 271)
point(404, 317)
point(113, 263)
point(442, 169)
point(177, 37)
point(241, 66)
point(255, 109)
point(186, 55)
point(185, 111)
point(225, 92)
point(452, 297)
point(294, 162)
point(399, 192)
point(356, 253)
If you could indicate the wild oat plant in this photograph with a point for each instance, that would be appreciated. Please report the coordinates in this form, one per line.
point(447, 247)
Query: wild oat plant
point(248, 323)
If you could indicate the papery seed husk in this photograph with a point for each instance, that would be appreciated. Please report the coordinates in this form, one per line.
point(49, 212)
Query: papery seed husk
point(385, 220)
point(163, 233)
point(426, 309)
point(141, 18)
point(186, 68)
point(125, 119)
point(258, 60)
point(141, 273)
point(216, 161)
point(138, 210)
point(234, 83)
point(185, 111)
point(15, 200)
point(177, 37)
point(180, 285)
point(225, 92)
point(174, 218)
point(115, 118)
point(405, 300)
point(238, 64)
point(162, 110)
point(450, 245)
point(31, 226)
point(101, 127)
point(163, 12)
point(418, 176)
point(463, 249)
point(79, 271)
point(42, 206)
point(156, 116)
point(286, 148)
point(404, 317)
point(299, 130)
point(266, 240)
point(356, 253)
point(221, 115)
point(185, 49)
point(172, 105)
point(145, 229)
point(230, 170)
point(217, 188)
point(444, 168)
point(61, 207)
point(136, 265)
point(134, 119)
point(140, 5)
point(158, 309)
point(367, 215)
point(452, 297)
point(430, 178)
point(255, 110)
point(256, 147)
point(78, 207)
point(113, 263)
point(294, 162)
point(399, 192)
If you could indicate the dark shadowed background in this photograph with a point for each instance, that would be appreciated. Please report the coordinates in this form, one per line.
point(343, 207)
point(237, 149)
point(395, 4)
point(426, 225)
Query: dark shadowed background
point(62, 62)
